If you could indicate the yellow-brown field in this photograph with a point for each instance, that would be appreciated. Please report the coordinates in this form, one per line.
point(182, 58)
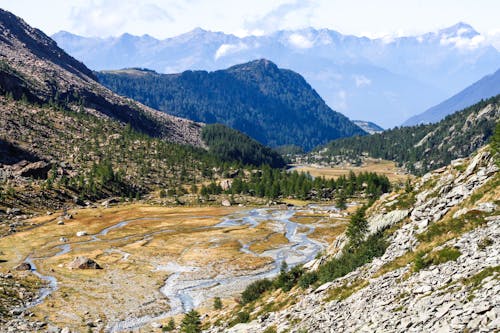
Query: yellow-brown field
point(134, 256)
point(382, 167)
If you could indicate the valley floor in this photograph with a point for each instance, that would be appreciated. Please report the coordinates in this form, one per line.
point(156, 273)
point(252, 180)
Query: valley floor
point(158, 262)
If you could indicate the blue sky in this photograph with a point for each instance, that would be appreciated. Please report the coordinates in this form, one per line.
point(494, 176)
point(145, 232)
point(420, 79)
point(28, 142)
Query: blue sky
point(166, 18)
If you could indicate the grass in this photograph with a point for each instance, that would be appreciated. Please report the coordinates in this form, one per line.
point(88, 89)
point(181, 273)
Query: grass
point(423, 260)
point(383, 167)
point(270, 329)
point(453, 227)
point(475, 281)
point(132, 281)
point(436, 235)
point(346, 290)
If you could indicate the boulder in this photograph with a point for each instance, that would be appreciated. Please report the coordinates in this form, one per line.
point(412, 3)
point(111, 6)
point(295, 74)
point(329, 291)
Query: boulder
point(25, 266)
point(81, 233)
point(226, 184)
point(226, 203)
point(38, 170)
point(83, 263)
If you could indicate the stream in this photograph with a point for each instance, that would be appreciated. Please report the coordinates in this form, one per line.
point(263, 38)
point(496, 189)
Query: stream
point(185, 294)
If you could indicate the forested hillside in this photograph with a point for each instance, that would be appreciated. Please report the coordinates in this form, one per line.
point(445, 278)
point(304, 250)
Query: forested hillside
point(230, 145)
point(424, 147)
point(274, 106)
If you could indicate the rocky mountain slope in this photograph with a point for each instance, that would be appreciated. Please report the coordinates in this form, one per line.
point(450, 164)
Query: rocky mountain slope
point(420, 148)
point(439, 273)
point(368, 126)
point(357, 76)
point(485, 88)
point(32, 65)
point(274, 106)
point(67, 140)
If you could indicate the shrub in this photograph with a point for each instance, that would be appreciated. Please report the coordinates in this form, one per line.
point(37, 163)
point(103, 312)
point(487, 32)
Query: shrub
point(484, 243)
point(352, 258)
point(308, 279)
point(255, 289)
point(170, 326)
point(217, 303)
point(287, 280)
point(243, 317)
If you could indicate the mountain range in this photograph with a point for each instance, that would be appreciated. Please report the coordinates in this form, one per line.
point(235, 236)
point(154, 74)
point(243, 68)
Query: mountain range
point(275, 106)
point(56, 116)
point(384, 80)
point(485, 88)
point(421, 148)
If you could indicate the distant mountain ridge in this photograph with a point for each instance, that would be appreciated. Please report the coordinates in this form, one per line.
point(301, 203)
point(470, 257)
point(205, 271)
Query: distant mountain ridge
point(272, 105)
point(424, 147)
point(485, 88)
point(384, 80)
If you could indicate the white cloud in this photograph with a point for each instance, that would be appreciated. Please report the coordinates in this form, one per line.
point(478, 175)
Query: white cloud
point(463, 42)
point(493, 37)
point(226, 49)
point(116, 16)
point(300, 41)
point(362, 81)
point(340, 100)
point(289, 14)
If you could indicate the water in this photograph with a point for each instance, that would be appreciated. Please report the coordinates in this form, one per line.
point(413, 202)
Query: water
point(185, 294)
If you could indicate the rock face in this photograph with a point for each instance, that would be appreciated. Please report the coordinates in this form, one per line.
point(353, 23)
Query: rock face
point(454, 296)
point(38, 170)
point(83, 263)
point(23, 267)
point(34, 66)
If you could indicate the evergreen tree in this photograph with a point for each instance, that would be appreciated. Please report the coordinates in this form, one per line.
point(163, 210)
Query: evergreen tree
point(217, 303)
point(191, 322)
point(357, 228)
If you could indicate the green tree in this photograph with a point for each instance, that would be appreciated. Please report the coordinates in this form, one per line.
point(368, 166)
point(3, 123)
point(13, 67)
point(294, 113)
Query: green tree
point(357, 228)
point(170, 326)
point(191, 322)
point(217, 303)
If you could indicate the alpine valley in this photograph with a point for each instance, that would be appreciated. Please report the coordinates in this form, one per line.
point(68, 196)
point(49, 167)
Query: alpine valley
point(230, 197)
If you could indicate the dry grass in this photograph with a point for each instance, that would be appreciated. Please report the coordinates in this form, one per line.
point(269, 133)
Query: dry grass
point(382, 167)
point(328, 233)
point(130, 255)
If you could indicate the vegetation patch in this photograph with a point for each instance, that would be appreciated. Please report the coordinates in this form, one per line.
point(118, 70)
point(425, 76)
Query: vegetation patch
point(255, 289)
point(452, 227)
point(475, 281)
point(346, 290)
point(423, 260)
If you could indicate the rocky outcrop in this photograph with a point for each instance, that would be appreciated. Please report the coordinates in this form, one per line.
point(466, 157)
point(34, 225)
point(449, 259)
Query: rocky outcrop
point(34, 66)
point(38, 170)
point(457, 295)
point(83, 263)
point(23, 267)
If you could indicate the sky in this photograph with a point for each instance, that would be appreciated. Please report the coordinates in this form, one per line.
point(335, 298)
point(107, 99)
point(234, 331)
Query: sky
point(167, 18)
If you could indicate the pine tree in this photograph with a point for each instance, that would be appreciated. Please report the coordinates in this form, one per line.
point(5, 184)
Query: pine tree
point(357, 228)
point(191, 322)
point(217, 303)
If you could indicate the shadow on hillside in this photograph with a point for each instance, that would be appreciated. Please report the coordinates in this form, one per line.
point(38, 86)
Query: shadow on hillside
point(11, 154)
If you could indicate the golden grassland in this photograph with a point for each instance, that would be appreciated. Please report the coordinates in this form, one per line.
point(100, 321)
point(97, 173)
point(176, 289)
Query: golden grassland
point(132, 254)
point(382, 167)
